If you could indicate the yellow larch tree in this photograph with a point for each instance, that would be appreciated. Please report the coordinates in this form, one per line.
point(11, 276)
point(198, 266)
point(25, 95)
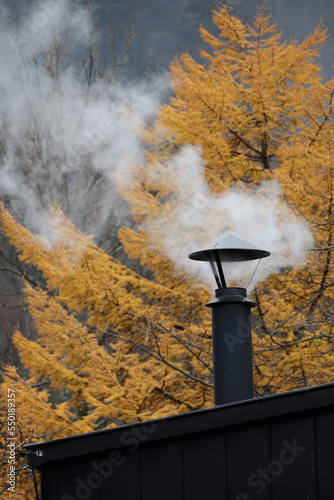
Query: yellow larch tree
point(112, 347)
point(259, 113)
point(116, 347)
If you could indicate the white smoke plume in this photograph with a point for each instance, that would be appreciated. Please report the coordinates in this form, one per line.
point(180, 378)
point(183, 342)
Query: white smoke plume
point(258, 215)
point(62, 134)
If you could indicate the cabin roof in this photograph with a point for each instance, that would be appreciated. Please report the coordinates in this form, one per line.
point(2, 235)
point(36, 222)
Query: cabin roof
point(233, 414)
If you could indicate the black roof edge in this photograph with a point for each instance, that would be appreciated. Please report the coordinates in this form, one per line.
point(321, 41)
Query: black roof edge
point(241, 412)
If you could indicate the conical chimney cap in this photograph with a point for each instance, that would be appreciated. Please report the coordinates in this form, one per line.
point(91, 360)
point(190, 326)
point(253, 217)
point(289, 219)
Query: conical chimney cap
point(230, 249)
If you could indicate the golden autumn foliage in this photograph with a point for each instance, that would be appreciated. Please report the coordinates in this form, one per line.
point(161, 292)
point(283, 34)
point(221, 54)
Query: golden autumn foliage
point(116, 347)
point(111, 344)
point(259, 112)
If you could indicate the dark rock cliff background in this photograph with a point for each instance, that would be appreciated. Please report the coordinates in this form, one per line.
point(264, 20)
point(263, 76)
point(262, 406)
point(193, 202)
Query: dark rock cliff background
point(165, 27)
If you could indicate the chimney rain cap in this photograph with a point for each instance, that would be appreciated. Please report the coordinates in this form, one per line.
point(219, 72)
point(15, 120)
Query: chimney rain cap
point(230, 249)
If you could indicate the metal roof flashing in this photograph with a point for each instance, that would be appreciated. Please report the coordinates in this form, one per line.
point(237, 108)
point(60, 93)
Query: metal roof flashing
point(229, 415)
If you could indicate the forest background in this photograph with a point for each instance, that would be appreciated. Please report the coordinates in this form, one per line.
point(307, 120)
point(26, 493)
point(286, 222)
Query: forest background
point(112, 326)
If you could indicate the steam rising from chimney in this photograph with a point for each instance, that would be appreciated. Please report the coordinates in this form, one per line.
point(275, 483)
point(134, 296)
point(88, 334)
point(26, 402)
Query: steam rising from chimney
point(257, 214)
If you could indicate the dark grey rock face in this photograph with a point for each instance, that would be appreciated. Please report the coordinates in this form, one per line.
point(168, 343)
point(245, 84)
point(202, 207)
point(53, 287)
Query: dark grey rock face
point(164, 28)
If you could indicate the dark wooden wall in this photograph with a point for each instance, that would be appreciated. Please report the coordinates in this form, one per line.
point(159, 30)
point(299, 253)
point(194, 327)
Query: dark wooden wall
point(290, 457)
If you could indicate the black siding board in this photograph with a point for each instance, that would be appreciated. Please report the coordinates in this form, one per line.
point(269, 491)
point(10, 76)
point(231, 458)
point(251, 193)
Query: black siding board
point(77, 480)
point(49, 482)
point(161, 471)
point(292, 462)
point(247, 451)
point(324, 428)
point(204, 467)
point(97, 477)
point(121, 479)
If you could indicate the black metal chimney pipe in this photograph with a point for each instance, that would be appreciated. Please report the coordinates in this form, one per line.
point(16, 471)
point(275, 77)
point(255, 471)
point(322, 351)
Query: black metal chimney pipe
point(232, 345)
point(231, 320)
